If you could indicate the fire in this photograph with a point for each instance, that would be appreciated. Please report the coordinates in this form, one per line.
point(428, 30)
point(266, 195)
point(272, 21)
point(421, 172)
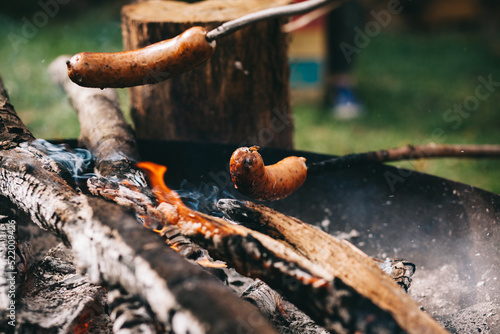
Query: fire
point(174, 210)
point(155, 174)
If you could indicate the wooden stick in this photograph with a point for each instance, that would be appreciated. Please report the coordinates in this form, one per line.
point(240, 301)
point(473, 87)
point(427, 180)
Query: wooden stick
point(346, 263)
point(409, 152)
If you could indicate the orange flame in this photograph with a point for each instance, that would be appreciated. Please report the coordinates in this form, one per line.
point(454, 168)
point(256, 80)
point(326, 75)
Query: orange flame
point(177, 212)
point(155, 174)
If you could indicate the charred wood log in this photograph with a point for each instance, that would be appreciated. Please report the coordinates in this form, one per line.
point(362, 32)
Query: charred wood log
point(21, 245)
point(12, 130)
point(130, 315)
point(114, 249)
point(356, 277)
point(59, 300)
point(285, 316)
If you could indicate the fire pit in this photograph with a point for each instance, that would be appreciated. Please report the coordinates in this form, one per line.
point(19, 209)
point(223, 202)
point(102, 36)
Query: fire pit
point(448, 229)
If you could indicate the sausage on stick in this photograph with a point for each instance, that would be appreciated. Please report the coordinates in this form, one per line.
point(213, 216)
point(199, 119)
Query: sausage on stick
point(151, 64)
point(162, 60)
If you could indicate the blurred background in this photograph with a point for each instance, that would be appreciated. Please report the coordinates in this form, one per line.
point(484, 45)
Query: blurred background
point(409, 76)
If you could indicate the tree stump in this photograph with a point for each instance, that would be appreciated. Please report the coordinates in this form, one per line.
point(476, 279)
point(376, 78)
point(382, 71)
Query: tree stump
point(240, 95)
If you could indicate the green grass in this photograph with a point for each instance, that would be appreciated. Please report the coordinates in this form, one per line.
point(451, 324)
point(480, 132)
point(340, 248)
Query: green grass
point(406, 81)
point(42, 106)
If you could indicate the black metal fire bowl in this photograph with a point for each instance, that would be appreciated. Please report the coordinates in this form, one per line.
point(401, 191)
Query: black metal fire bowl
point(450, 230)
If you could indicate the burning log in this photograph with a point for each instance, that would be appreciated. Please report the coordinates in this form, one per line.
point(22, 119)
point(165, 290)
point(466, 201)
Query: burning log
point(114, 249)
point(298, 235)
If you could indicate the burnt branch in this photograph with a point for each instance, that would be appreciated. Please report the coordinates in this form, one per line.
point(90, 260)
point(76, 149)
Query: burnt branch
point(409, 152)
point(12, 130)
point(110, 139)
point(103, 130)
point(129, 314)
point(58, 299)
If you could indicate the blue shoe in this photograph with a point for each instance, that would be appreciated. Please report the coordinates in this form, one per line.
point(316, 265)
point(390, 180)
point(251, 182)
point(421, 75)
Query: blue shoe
point(344, 104)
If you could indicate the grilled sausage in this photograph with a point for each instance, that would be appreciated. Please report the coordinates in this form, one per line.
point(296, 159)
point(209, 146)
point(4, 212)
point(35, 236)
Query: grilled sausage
point(266, 183)
point(151, 64)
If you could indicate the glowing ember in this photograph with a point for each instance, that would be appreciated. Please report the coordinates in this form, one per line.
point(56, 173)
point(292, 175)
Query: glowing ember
point(83, 324)
point(174, 247)
point(211, 264)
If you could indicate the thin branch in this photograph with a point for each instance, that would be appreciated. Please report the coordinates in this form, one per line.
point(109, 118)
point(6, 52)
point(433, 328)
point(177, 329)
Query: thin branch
point(409, 152)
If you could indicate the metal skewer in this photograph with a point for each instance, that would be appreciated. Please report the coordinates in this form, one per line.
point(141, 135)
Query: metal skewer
point(287, 10)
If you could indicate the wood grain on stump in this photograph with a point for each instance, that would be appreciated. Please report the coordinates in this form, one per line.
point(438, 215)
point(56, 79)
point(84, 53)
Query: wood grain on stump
point(240, 95)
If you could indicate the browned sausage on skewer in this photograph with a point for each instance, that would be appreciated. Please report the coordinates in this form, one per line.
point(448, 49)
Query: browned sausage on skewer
point(266, 183)
point(151, 64)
